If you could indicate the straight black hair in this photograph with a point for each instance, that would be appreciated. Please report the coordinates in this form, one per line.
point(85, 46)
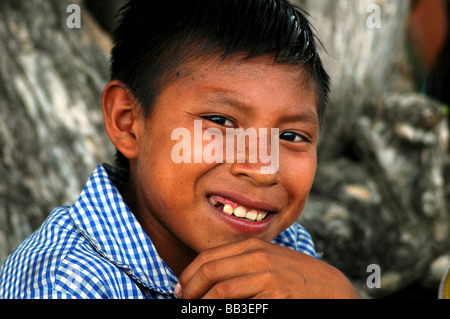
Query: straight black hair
point(154, 38)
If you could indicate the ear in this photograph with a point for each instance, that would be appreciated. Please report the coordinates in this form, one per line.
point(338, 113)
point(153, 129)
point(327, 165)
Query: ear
point(120, 116)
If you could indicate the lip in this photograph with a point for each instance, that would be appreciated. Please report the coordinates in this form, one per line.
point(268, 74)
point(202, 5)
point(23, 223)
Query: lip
point(251, 228)
point(246, 201)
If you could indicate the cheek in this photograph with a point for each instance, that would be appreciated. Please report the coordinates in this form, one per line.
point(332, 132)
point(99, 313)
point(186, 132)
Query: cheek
point(156, 171)
point(164, 159)
point(172, 185)
point(298, 181)
point(298, 176)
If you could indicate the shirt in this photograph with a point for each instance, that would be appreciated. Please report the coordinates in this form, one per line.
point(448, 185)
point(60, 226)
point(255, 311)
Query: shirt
point(96, 248)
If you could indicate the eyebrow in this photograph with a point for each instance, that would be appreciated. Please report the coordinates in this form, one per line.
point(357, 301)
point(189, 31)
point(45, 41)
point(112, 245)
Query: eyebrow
point(221, 98)
point(307, 114)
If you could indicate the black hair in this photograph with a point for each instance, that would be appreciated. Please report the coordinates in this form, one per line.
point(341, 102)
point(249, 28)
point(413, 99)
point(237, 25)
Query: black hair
point(154, 38)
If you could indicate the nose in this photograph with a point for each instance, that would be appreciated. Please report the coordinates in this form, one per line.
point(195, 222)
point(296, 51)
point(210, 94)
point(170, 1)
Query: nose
point(257, 169)
point(255, 173)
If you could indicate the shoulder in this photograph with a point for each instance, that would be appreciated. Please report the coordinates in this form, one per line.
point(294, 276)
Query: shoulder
point(47, 262)
point(298, 238)
point(84, 274)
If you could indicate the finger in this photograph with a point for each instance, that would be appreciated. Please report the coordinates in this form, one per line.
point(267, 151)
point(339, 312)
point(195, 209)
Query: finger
point(218, 264)
point(216, 253)
point(213, 272)
point(242, 287)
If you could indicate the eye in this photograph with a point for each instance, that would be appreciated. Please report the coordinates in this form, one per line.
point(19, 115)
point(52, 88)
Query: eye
point(220, 120)
point(294, 137)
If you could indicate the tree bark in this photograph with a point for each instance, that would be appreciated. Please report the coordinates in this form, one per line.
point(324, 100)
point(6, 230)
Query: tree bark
point(363, 62)
point(51, 131)
point(380, 192)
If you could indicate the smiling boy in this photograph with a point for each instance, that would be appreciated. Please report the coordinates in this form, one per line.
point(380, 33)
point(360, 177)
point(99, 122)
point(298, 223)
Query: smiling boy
point(159, 228)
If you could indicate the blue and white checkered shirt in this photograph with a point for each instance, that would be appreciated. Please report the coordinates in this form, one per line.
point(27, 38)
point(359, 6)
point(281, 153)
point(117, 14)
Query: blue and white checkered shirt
point(96, 248)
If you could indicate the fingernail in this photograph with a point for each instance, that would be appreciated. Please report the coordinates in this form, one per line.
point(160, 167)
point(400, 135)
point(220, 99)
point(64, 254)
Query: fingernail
point(178, 290)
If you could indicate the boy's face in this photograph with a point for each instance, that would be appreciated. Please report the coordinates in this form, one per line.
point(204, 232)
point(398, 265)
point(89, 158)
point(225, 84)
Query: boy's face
point(181, 205)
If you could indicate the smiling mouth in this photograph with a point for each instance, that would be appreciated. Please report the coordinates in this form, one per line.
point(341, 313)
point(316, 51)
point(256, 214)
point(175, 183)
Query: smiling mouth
point(235, 209)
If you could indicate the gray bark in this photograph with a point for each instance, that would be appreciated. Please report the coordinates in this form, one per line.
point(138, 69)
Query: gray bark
point(51, 131)
point(363, 62)
point(380, 192)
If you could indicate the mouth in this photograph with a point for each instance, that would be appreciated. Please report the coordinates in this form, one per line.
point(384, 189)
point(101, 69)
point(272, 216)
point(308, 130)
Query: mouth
point(232, 208)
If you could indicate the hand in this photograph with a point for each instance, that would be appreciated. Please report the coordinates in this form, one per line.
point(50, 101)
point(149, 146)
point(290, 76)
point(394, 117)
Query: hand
point(257, 269)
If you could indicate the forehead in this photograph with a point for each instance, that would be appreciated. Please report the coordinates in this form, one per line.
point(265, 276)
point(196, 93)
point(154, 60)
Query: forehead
point(255, 87)
point(239, 63)
point(237, 70)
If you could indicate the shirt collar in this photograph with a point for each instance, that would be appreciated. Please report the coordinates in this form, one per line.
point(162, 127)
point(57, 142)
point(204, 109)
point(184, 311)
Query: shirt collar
point(102, 216)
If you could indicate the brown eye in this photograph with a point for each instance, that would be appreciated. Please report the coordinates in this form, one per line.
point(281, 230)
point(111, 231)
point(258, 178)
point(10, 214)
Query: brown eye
point(220, 120)
point(293, 137)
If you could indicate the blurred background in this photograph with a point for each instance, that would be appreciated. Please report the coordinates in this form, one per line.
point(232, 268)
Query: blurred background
point(382, 188)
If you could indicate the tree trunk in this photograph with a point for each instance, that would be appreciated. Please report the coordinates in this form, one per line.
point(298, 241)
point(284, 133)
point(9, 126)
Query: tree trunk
point(380, 194)
point(363, 61)
point(51, 127)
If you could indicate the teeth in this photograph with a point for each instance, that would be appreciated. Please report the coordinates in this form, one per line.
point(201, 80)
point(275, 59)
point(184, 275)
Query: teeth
point(228, 209)
point(261, 216)
point(252, 215)
point(240, 212)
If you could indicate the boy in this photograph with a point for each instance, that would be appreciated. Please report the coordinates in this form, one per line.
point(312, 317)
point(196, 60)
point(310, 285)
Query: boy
point(161, 227)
